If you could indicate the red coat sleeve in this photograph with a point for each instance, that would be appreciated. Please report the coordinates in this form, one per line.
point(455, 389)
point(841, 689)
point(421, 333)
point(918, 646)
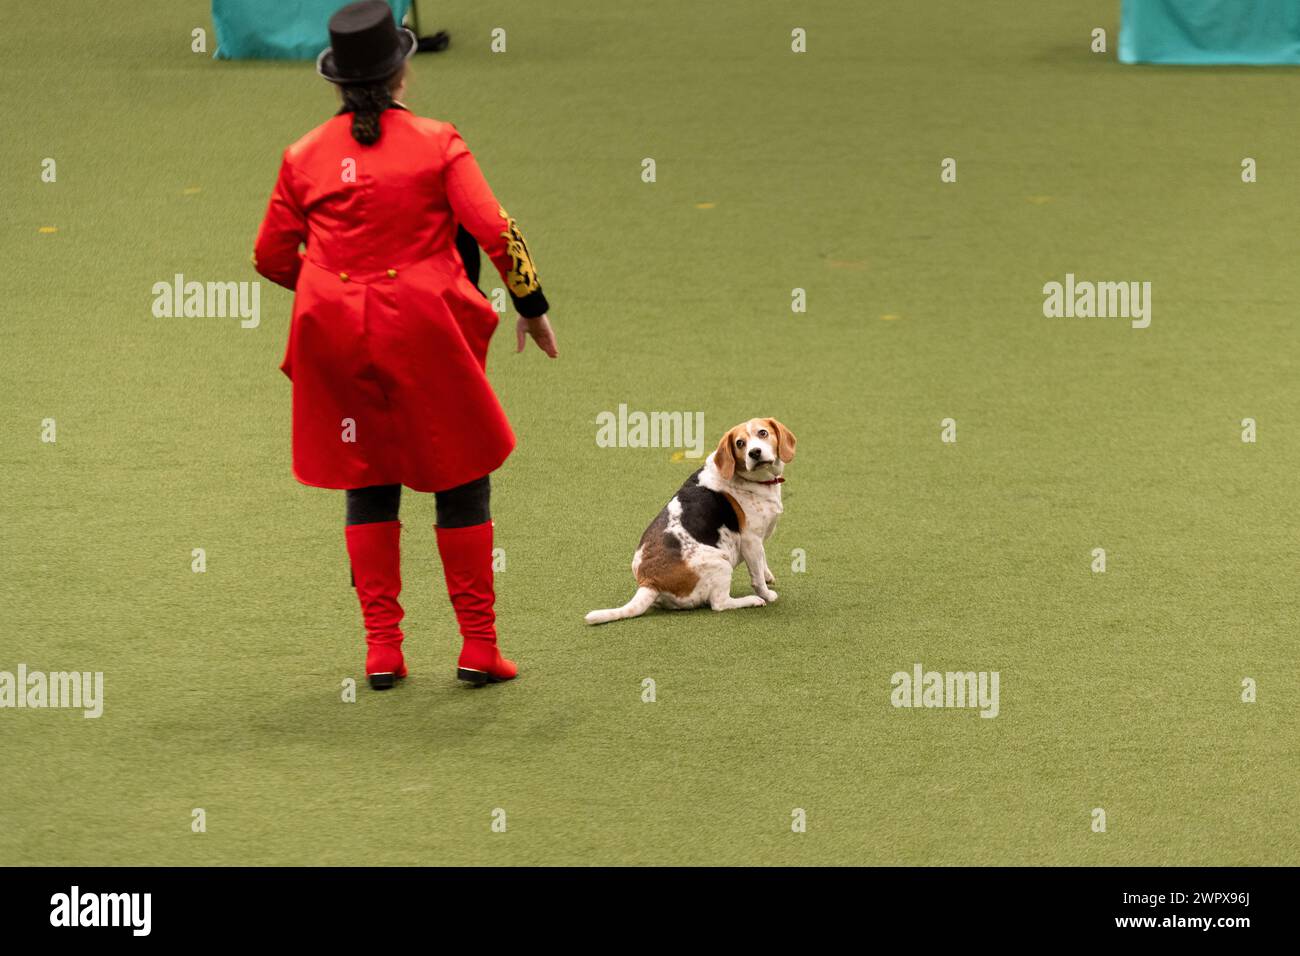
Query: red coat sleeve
point(477, 209)
point(284, 228)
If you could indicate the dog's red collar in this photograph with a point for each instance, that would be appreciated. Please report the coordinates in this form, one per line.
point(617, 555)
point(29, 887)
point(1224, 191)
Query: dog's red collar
point(774, 481)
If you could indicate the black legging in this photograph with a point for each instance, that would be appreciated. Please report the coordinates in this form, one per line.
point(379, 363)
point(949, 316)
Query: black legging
point(459, 507)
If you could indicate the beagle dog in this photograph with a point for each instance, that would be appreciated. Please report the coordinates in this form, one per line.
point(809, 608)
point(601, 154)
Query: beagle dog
point(720, 517)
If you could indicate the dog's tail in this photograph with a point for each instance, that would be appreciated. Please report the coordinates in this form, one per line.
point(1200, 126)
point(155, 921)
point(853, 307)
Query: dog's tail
point(639, 604)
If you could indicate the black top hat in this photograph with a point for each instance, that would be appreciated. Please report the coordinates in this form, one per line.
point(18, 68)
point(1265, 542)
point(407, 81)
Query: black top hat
point(366, 46)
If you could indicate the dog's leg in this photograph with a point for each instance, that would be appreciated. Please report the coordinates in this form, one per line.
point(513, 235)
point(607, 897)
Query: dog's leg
point(715, 582)
point(768, 576)
point(722, 601)
point(755, 558)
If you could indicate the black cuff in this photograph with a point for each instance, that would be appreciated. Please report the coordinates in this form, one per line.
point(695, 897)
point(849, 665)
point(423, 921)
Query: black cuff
point(467, 246)
point(532, 305)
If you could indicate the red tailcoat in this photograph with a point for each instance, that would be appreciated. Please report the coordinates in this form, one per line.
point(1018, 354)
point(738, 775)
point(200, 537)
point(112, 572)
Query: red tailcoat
point(389, 338)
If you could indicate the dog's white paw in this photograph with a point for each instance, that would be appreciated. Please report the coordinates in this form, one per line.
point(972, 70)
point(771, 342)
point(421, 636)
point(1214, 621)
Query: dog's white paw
point(769, 596)
point(769, 577)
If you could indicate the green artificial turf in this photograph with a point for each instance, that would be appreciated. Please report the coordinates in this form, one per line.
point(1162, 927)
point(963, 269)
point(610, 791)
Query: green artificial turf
point(775, 171)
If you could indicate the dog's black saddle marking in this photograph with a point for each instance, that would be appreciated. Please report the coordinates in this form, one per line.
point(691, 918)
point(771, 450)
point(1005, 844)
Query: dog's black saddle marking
point(705, 512)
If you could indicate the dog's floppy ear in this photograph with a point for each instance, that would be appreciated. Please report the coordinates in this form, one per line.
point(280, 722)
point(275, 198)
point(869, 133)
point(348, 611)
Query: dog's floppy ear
point(723, 458)
point(784, 441)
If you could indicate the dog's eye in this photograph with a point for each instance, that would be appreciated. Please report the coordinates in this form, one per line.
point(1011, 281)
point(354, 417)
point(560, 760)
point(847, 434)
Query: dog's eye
point(740, 443)
point(762, 433)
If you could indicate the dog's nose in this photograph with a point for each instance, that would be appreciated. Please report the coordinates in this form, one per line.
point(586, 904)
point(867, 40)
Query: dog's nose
point(756, 453)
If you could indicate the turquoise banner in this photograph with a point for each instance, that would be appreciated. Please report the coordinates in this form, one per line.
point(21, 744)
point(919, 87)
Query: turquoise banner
point(278, 30)
point(1253, 32)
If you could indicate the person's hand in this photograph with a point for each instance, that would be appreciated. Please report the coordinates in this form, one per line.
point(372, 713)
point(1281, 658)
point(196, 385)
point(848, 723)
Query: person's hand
point(540, 330)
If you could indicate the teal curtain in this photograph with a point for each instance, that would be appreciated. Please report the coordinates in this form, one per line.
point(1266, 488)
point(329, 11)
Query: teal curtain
point(1258, 32)
point(278, 29)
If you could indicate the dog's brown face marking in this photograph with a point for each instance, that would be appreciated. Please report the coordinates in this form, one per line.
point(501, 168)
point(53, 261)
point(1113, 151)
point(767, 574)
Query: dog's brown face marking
point(729, 454)
point(784, 440)
point(662, 567)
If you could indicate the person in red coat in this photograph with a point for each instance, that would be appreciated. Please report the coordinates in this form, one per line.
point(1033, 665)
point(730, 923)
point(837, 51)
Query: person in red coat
point(388, 344)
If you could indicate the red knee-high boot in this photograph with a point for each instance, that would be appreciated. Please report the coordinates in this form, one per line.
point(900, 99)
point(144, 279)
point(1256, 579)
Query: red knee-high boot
point(376, 555)
point(467, 565)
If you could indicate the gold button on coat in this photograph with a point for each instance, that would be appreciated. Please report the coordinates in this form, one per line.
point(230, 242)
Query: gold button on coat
point(343, 276)
point(392, 273)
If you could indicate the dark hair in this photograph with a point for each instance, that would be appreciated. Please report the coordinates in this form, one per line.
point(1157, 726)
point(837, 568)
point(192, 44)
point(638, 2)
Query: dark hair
point(365, 102)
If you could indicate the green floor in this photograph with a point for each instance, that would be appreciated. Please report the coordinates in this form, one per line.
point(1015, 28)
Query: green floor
point(1119, 691)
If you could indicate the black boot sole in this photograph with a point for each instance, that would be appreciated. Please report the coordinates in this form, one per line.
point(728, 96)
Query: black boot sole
point(382, 681)
point(477, 678)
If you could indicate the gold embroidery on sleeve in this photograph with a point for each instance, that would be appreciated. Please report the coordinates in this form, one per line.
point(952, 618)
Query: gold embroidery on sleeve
point(522, 277)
